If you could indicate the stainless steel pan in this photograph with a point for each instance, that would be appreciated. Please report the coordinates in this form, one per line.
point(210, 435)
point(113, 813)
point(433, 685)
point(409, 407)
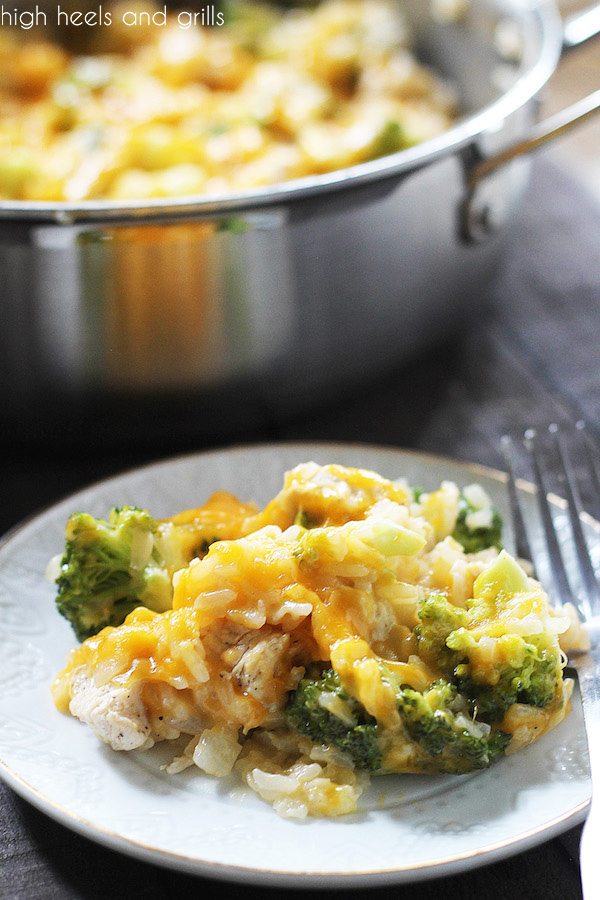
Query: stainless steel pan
point(213, 314)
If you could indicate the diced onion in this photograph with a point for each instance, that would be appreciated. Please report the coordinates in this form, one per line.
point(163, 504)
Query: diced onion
point(217, 750)
point(53, 568)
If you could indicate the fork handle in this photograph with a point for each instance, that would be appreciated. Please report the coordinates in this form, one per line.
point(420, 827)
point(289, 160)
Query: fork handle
point(588, 671)
point(588, 855)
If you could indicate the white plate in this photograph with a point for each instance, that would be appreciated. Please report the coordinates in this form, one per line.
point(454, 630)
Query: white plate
point(411, 827)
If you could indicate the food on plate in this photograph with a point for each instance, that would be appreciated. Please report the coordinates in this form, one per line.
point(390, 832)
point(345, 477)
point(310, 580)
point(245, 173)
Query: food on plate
point(180, 109)
point(353, 626)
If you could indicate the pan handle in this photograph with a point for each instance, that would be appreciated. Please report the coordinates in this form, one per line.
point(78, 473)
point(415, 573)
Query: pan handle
point(542, 133)
point(477, 223)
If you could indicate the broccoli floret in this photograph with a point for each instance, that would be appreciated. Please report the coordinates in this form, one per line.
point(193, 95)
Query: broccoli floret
point(522, 668)
point(438, 618)
point(527, 669)
point(323, 710)
point(475, 539)
point(535, 682)
point(438, 721)
point(110, 567)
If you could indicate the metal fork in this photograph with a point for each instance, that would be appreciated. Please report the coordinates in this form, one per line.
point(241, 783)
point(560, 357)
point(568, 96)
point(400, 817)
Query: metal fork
point(587, 664)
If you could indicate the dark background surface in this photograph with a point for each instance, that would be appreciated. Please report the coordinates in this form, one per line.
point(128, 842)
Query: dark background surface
point(531, 357)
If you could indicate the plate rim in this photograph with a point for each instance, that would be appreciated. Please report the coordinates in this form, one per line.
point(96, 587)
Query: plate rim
point(410, 873)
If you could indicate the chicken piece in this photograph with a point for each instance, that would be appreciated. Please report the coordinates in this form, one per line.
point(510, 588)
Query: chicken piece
point(266, 670)
point(256, 671)
point(115, 714)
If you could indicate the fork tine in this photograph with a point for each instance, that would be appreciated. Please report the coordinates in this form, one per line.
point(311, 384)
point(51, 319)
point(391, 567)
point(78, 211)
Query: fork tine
point(521, 541)
point(588, 576)
point(554, 555)
point(592, 457)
